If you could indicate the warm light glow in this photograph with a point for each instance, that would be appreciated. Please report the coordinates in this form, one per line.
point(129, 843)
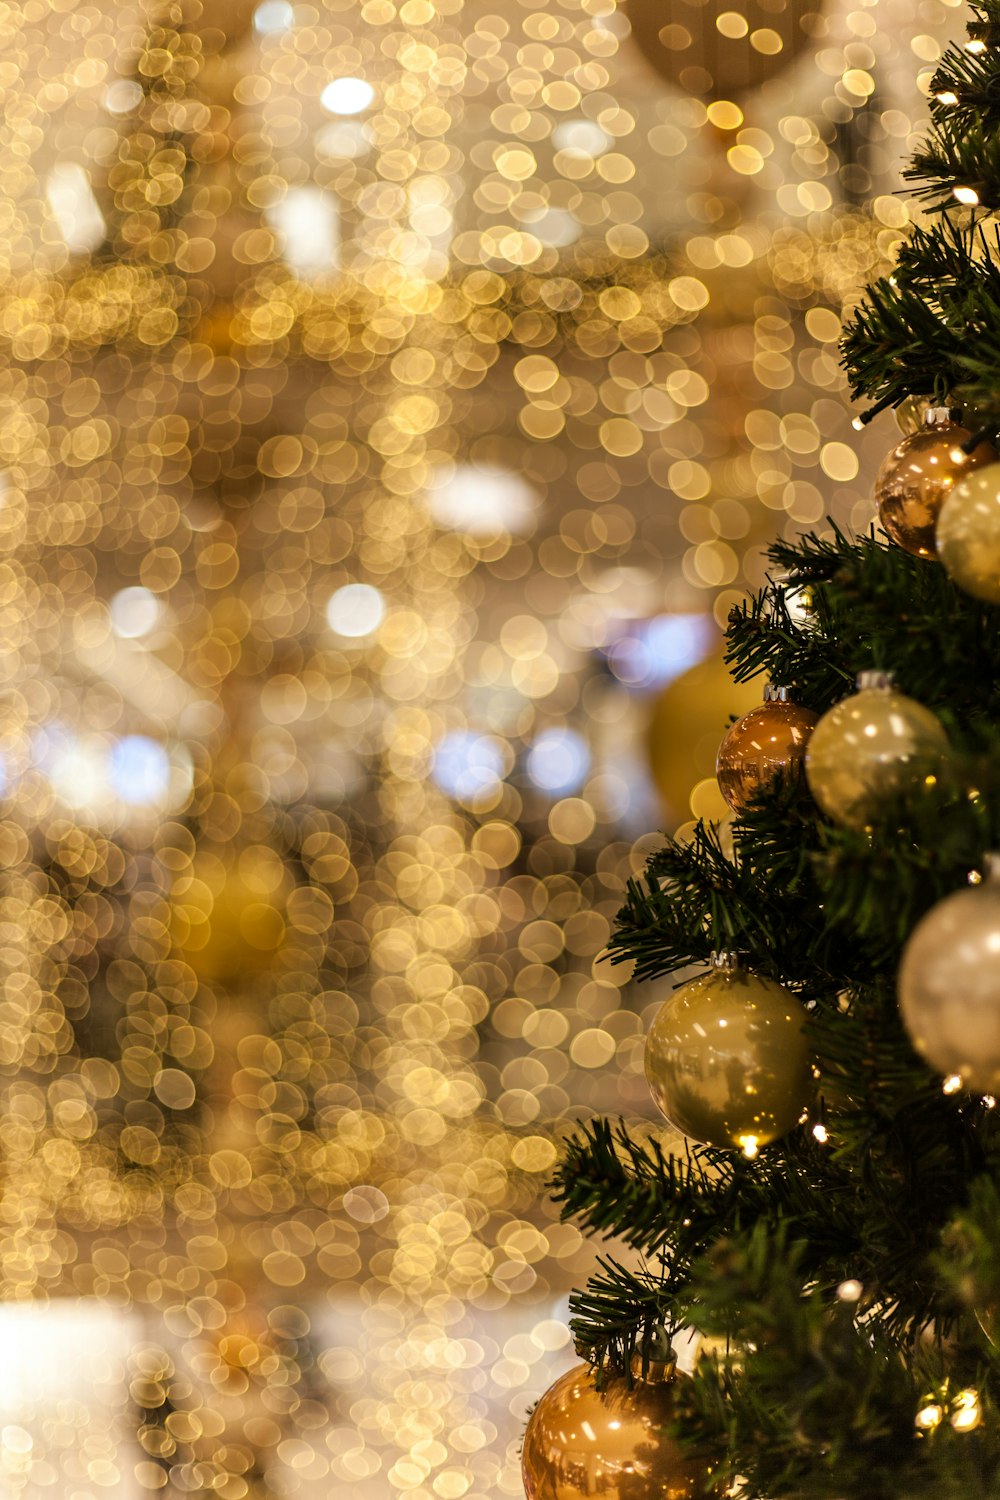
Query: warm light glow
point(71, 199)
point(355, 610)
point(308, 226)
point(347, 96)
point(966, 1413)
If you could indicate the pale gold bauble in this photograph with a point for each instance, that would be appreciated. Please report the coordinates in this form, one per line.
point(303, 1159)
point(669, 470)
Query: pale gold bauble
point(586, 1444)
point(765, 745)
point(687, 721)
point(726, 1058)
point(968, 534)
point(869, 746)
point(917, 476)
point(228, 912)
point(949, 986)
point(714, 52)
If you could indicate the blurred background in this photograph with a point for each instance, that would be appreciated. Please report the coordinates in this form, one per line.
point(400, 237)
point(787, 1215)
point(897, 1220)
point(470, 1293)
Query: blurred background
point(395, 398)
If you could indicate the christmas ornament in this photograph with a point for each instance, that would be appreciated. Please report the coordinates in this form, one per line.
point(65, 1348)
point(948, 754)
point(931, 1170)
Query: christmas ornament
point(917, 476)
point(949, 984)
point(726, 1058)
point(868, 746)
point(688, 719)
point(714, 53)
point(968, 533)
point(227, 917)
point(586, 1444)
point(767, 743)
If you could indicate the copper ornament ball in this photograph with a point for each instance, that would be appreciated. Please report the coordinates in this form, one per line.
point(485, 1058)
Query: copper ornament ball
point(918, 475)
point(586, 1444)
point(767, 743)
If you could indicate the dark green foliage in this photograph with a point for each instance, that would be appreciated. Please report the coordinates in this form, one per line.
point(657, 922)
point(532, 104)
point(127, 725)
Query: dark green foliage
point(850, 1272)
point(902, 1194)
point(929, 328)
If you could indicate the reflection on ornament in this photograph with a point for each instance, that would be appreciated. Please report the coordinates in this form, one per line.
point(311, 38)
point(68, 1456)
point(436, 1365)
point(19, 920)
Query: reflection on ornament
point(717, 53)
point(869, 746)
point(688, 720)
point(726, 1058)
point(917, 476)
point(228, 913)
point(949, 984)
point(765, 745)
point(585, 1444)
point(968, 534)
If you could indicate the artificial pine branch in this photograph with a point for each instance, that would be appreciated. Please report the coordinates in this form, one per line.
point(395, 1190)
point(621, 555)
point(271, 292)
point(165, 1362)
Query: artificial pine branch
point(851, 1265)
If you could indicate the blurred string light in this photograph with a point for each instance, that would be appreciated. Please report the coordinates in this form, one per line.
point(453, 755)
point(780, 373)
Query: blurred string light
point(347, 96)
point(272, 17)
point(135, 612)
point(483, 500)
point(558, 761)
point(468, 765)
point(649, 654)
point(355, 610)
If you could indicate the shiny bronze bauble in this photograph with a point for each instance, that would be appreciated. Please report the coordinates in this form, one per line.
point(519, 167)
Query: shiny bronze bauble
point(688, 720)
point(726, 1058)
point(918, 475)
point(767, 745)
point(586, 1444)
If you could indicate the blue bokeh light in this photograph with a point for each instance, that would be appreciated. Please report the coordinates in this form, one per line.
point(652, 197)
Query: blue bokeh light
point(558, 761)
point(649, 654)
point(468, 765)
point(139, 770)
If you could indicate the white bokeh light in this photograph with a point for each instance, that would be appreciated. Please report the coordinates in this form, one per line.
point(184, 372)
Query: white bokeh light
point(483, 500)
point(557, 227)
point(355, 610)
point(123, 96)
point(468, 765)
point(74, 207)
point(307, 223)
point(580, 135)
point(139, 770)
point(134, 612)
point(343, 140)
point(558, 761)
point(347, 96)
point(273, 17)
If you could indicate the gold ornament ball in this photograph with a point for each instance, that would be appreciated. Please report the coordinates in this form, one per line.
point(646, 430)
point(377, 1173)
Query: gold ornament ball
point(968, 534)
point(767, 743)
point(917, 476)
point(726, 1059)
point(869, 746)
point(686, 723)
point(228, 913)
point(949, 986)
point(586, 1444)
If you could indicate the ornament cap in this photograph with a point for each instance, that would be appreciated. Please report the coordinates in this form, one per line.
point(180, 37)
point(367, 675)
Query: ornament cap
point(652, 1371)
point(727, 960)
point(881, 681)
point(777, 692)
point(940, 416)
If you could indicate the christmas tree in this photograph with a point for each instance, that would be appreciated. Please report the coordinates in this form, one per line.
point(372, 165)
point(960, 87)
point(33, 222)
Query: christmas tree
point(829, 1224)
